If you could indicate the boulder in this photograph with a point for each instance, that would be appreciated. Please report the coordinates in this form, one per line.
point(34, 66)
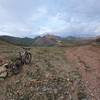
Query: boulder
point(3, 71)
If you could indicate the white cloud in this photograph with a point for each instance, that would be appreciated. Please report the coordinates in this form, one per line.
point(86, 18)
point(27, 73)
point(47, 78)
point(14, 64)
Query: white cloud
point(5, 33)
point(39, 13)
point(54, 24)
point(34, 17)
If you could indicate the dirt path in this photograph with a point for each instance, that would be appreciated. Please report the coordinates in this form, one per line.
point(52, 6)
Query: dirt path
point(87, 60)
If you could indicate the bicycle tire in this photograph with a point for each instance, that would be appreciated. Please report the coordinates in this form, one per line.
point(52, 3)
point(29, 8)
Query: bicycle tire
point(28, 58)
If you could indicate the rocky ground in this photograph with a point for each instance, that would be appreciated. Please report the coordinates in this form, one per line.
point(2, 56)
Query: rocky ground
point(50, 76)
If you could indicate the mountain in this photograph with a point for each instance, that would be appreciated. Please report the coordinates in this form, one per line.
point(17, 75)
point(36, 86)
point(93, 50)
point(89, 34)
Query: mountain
point(47, 40)
point(17, 41)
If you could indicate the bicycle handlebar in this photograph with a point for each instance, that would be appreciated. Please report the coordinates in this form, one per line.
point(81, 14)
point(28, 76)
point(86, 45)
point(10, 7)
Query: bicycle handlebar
point(26, 48)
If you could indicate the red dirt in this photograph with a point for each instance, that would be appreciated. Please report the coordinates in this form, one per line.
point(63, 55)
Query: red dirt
point(87, 60)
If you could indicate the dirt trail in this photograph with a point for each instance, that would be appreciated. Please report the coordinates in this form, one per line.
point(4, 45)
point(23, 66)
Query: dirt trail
point(87, 60)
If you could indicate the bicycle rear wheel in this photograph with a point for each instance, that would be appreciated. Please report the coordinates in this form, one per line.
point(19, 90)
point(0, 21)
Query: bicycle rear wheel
point(28, 58)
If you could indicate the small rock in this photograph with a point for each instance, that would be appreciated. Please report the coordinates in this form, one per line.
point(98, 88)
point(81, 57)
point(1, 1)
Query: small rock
point(55, 91)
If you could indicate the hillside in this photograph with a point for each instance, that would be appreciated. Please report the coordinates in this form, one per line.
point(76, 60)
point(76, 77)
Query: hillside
point(55, 74)
point(47, 40)
point(17, 40)
point(2, 42)
point(49, 77)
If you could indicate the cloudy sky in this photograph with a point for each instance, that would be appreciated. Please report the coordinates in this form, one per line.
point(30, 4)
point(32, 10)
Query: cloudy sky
point(62, 17)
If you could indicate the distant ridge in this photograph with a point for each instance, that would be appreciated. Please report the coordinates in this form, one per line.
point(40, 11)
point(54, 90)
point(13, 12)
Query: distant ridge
point(45, 40)
point(17, 41)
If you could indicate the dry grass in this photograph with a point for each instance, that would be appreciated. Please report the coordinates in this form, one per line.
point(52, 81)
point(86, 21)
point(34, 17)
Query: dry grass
point(48, 77)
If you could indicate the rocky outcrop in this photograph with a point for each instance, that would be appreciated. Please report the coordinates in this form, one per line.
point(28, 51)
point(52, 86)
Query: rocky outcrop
point(3, 71)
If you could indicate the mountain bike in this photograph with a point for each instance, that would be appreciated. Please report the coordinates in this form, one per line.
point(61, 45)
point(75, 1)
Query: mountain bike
point(25, 56)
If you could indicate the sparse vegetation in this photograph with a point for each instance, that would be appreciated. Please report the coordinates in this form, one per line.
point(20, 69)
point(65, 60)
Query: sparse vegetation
point(50, 76)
